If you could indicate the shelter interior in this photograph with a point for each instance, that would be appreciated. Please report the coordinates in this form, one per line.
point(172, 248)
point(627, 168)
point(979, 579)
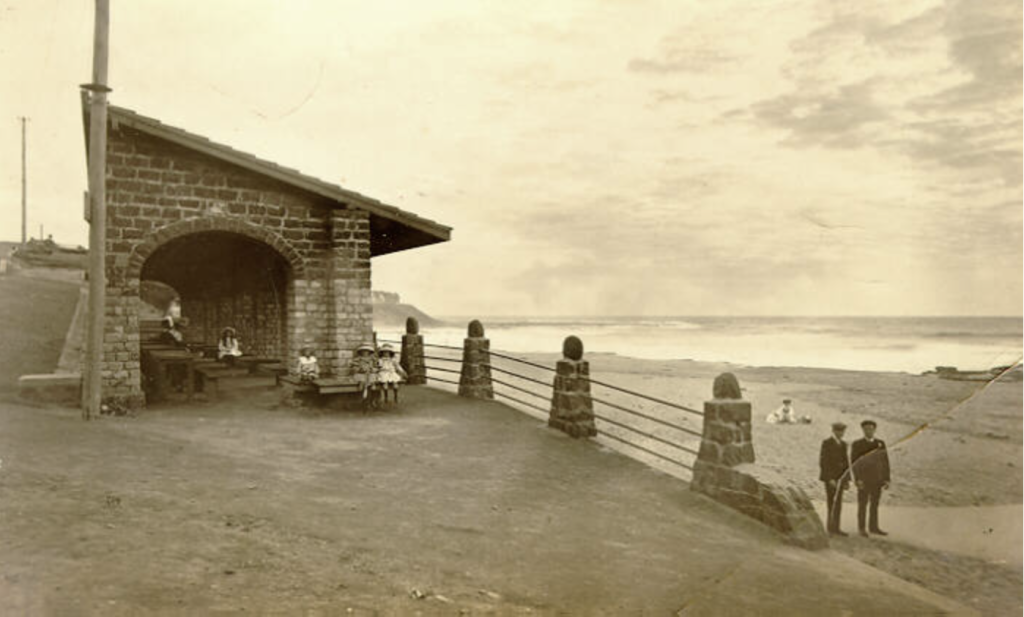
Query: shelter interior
point(226, 279)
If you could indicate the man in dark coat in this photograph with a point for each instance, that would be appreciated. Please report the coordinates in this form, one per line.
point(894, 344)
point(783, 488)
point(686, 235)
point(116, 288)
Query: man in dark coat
point(835, 465)
point(871, 472)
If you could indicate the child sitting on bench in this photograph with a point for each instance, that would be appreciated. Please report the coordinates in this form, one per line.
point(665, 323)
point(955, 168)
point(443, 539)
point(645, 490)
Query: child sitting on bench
point(227, 347)
point(390, 372)
point(363, 368)
point(309, 369)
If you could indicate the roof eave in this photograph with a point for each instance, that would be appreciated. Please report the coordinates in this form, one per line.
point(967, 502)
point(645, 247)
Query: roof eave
point(434, 232)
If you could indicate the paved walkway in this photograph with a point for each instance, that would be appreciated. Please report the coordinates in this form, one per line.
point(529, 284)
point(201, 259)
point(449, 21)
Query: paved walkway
point(992, 533)
point(445, 505)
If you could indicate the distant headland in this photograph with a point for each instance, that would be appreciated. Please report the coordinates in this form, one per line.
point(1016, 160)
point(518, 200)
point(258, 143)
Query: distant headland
point(389, 310)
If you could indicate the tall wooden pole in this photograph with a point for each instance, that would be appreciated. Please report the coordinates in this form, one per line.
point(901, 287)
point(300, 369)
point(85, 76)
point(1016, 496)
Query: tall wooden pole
point(92, 390)
point(24, 186)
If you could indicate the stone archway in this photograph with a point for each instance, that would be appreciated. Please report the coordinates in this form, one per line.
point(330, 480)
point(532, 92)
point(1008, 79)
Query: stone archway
point(215, 222)
point(224, 279)
point(284, 327)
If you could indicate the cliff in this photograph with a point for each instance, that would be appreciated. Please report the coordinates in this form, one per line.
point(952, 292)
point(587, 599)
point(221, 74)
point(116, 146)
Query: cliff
point(389, 310)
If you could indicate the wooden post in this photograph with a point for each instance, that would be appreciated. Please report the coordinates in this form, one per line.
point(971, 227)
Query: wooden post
point(92, 387)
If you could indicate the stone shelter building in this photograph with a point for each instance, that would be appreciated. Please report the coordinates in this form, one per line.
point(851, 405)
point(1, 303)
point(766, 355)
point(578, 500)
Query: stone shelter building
point(282, 257)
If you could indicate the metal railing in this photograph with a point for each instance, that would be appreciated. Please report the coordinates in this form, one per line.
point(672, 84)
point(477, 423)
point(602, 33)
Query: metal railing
point(625, 427)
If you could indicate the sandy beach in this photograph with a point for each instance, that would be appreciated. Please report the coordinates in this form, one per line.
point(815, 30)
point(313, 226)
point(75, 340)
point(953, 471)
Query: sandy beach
point(968, 454)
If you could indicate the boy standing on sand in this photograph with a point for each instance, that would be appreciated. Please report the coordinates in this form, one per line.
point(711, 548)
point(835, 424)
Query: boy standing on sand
point(871, 472)
point(835, 468)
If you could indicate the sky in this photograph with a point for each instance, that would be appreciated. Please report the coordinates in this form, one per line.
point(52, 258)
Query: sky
point(594, 157)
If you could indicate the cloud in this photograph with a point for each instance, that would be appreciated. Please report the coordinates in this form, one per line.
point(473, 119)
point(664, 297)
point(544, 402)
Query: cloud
point(840, 118)
point(866, 80)
point(695, 48)
point(689, 59)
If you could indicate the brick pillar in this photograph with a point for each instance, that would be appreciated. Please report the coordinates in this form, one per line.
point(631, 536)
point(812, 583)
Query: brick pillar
point(301, 301)
point(725, 471)
point(572, 409)
point(412, 359)
point(475, 380)
point(121, 369)
point(351, 318)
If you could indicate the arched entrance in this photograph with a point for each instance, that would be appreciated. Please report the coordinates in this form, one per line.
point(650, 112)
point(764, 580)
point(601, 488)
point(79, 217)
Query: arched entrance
point(225, 278)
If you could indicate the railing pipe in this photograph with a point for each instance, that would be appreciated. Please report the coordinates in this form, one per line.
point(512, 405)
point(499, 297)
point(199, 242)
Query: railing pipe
point(646, 434)
point(643, 449)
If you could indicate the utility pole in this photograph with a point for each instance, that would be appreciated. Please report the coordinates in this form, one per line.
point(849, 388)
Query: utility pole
point(24, 186)
point(92, 395)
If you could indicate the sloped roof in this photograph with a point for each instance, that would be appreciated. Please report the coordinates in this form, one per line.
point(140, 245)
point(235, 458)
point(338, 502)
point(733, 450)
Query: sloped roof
point(393, 229)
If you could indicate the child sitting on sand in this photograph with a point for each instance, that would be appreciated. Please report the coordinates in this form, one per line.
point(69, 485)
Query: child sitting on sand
point(786, 415)
point(389, 373)
point(363, 368)
point(309, 368)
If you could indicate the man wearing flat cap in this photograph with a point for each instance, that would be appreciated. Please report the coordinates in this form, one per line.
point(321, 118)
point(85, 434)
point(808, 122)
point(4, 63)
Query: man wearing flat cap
point(871, 473)
point(835, 465)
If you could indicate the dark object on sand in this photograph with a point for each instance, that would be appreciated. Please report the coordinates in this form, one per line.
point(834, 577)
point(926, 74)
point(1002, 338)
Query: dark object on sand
point(727, 387)
point(572, 348)
point(1002, 373)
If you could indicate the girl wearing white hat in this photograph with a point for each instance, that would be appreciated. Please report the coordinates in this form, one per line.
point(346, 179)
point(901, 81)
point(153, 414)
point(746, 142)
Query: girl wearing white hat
point(363, 368)
point(390, 372)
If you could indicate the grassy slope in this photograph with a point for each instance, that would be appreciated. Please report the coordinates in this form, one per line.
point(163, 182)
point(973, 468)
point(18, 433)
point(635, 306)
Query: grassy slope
point(34, 319)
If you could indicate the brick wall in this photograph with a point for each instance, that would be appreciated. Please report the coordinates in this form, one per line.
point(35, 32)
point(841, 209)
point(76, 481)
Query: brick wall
point(159, 192)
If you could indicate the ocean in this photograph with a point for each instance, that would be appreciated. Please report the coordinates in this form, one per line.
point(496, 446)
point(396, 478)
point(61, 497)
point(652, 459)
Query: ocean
point(900, 344)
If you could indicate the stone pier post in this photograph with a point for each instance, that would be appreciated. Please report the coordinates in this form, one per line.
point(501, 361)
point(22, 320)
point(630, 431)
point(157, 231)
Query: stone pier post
point(412, 359)
point(572, 409)
point(725, 471)
point(475, 380)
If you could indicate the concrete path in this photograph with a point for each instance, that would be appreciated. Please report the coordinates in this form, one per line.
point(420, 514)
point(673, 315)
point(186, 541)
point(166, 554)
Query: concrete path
point(992, 533)
point(442, 506)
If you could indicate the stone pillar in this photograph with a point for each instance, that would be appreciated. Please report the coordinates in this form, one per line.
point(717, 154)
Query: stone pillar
point(475, 380)
point(412, 353)
point(121, 365)
point(725, 471)
point(348, 321)
point(572, 409)
point(727, 436)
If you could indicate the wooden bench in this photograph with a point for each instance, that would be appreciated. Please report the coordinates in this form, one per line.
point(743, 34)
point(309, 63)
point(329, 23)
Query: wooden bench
point(322, 386)
point(253, 363)
point(274, 369)
point(159, 361)
point(220, 378)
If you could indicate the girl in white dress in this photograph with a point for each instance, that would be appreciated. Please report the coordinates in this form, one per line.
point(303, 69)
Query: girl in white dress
point(227, 347)
point(309, 368)
point(389, 373)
